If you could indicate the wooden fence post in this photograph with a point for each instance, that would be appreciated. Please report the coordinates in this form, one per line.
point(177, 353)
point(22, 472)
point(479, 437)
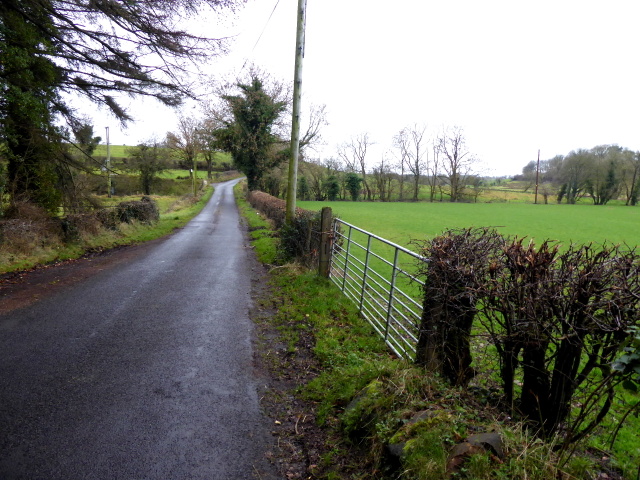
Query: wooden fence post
point(326, 242)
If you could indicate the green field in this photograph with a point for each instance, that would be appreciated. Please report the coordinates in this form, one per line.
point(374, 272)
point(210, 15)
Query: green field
point(115, 150)
point(403, 222)
point(122, 151)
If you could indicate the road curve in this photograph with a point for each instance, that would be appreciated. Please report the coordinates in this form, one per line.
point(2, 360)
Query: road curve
point(143, 371)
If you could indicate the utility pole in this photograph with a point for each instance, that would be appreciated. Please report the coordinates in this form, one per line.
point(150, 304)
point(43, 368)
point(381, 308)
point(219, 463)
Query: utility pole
point(194, 171)
point(108, 165)
point(537, 177)
point(295, 122)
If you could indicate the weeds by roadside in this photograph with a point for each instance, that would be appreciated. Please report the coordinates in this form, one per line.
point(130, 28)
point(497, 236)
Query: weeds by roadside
point(39, 240)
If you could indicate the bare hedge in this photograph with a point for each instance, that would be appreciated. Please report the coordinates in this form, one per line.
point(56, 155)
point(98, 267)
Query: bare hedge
point(301, 239)
point(558, 321)
point(23, 236)
point(272, 207)
point(25, 227)
point(144, 210)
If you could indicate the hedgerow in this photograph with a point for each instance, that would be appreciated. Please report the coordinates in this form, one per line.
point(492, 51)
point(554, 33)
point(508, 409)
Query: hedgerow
point(558, 321)
point(300, 239)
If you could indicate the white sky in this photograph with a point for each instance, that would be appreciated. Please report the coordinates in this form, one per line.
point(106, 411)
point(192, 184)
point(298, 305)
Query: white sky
point(554, 75)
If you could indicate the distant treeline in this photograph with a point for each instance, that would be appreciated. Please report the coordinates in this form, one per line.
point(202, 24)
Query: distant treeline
point(603, 173)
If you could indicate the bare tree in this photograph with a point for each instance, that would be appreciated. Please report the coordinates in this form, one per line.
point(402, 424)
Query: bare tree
point(476, 182)
point(433, 172)
point(349, 160)
point(215, 112)
point(399, 142)
point(574, 175)
point(604, 178)
point(354, 154)
point(208, 142)
point(383, 176)
point(186, 141)
point(316, 175)
point(411, 142)
point(148, 159)
point(546, 190)
point(631, 177)
point(312, 135)
point(334, 165)
point(457, 161)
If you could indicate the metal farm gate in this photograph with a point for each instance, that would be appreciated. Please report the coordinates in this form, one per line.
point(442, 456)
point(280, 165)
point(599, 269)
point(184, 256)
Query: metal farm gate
point(378, 276)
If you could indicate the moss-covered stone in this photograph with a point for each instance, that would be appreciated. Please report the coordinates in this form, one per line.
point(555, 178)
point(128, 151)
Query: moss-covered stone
point(361, 412)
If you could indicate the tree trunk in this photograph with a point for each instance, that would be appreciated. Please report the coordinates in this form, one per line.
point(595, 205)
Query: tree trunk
point(429, 348)
point(443, 340)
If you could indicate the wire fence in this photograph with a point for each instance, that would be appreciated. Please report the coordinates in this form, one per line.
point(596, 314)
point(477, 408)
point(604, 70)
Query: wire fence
point(378, 276)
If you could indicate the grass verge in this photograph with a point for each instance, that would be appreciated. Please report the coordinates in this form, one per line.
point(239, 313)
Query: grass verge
point(263, 238)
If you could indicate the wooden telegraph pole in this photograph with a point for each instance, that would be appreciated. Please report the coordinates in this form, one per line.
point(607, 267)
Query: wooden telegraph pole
point(194, 171)
point(108, 165)
point(295, 122)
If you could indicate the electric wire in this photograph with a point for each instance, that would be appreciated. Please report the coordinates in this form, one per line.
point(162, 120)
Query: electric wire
point(261, 33)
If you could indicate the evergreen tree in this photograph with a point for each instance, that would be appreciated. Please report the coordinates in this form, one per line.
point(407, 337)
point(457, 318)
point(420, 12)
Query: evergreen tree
point(303, 189)
point(84, 136)
point(29, 83)
point(247, 133)
point(354, 183)
point(333, 188)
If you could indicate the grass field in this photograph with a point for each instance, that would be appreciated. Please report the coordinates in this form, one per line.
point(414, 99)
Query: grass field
point(116, 150)
point(403, 222)
point(122, 151)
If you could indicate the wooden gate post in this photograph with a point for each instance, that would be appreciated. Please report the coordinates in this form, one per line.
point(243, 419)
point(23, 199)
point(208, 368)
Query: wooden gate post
point(326, 242)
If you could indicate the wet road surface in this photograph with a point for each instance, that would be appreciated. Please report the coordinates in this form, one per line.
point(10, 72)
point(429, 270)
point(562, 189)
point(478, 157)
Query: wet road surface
point(143, 371)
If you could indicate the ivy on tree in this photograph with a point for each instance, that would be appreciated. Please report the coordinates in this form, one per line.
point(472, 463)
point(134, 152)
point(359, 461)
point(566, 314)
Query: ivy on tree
point(303, 188)
point(148, 159)
point(354, 183)
point(248, 132)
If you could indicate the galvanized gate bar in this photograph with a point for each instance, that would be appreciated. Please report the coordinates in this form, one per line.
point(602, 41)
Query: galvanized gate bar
point(392, 312)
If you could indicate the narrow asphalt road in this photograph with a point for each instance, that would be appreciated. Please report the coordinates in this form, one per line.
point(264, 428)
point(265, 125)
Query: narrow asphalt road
point(143, 371)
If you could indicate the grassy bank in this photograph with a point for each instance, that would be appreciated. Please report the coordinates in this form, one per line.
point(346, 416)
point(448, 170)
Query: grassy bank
point(175, 212)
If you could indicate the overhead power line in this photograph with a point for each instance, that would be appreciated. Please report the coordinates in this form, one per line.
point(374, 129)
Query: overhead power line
point(262, 32)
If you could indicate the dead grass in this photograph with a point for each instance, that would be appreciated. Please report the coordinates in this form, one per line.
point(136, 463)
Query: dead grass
point(30, 237)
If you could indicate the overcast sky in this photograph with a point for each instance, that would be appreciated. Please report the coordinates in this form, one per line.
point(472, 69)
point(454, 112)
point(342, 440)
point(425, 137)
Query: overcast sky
point(517, 77)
